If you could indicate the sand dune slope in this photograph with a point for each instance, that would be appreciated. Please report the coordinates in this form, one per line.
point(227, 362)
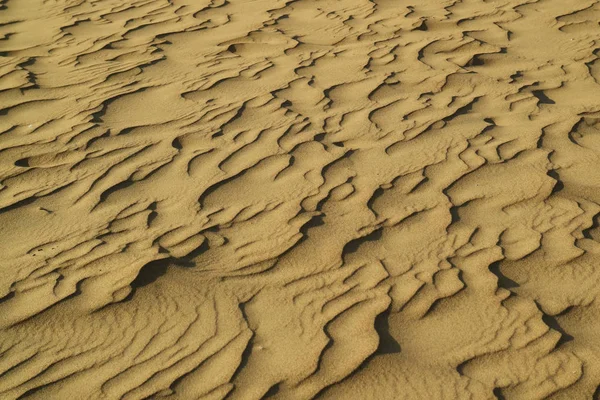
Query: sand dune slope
point(297, 199)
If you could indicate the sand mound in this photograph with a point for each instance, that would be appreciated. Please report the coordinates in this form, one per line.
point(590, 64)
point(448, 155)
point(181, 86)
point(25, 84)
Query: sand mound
point(334, 199)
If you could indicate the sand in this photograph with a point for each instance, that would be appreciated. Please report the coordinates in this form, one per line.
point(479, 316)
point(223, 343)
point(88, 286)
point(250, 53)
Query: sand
point(332, 199)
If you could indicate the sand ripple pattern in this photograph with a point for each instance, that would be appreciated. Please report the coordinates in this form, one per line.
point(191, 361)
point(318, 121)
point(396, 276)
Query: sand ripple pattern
point(333, 199)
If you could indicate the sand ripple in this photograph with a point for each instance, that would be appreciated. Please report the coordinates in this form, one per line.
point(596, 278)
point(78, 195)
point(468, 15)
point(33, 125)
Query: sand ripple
point(340, 199)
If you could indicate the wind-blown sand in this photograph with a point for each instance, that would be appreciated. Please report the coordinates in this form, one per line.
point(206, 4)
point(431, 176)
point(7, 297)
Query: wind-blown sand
point(333, 199)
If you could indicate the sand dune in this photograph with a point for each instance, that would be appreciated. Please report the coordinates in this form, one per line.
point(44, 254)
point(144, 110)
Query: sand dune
point(333, 199)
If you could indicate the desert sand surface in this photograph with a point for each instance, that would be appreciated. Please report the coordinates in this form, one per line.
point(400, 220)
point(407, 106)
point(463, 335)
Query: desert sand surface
point(298, 199)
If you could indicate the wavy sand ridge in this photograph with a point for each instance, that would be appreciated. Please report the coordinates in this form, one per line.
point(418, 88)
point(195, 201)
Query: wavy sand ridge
point(344, 199)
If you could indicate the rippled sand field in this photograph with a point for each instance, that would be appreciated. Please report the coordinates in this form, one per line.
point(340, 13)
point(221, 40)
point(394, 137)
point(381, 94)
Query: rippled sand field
point(332, 199)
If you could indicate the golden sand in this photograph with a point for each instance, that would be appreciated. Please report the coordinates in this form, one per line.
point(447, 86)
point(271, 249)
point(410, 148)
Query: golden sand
point(333, 199)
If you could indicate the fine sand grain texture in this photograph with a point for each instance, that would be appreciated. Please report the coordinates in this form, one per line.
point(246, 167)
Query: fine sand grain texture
point(297, 199)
